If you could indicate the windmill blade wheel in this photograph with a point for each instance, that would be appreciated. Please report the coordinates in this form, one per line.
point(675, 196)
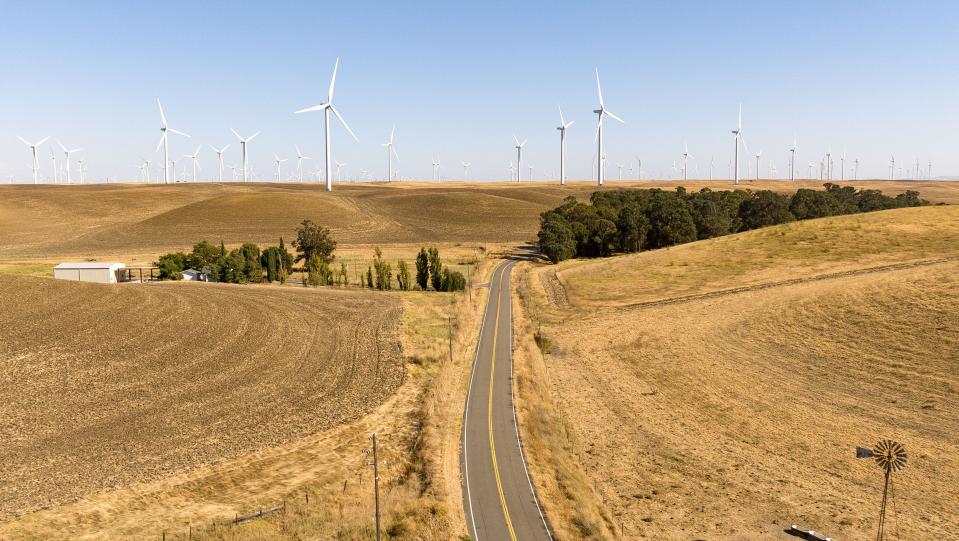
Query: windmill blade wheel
point(890, 455)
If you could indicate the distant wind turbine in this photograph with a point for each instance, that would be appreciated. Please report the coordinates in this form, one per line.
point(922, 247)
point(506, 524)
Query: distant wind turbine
point(339, 168)
point(519, 157)
point(219, 157)
point(686, 156)
point(436, 169)
point(326, 107)
point(56, 171)
point(601, 112)
point(36, 161)
point(194, 158)
point(792, 160)
point(243, 144)
point(299, 162)
point(466, 170)
point(563, 126)
point(390, 153)
point(164, 142)
point(738, 132)
point(279, 167)
point(67, 163)
point(758, 155)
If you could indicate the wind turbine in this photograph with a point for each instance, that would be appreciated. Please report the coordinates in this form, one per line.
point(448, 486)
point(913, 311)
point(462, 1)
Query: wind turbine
point(519, 157)
point(67, 153)
point(811, 164)
point(686, 156)
point(758, 155)
point(929, 177)
point(829, 163)
point(436, 169)
point(738, 132)
point(233, 168)
point(563, 125)
point(219, 157)
point(639, 168)
point(194, 158)
point(146, 170)
point(390, 152)
point(326, 108)
point(892, 168)
point(81, 168)
point(164, 142)
point(299, 162)
point(601, 112)
point(530, 173)
point(243, 143)
point(620, 166)
point(711, 163)
point(466, 170)
point(855, 171)
point(56, 174)
point(36, 162)
point(842, 166)
point(279, 167)
point(792, 160)
point(339, 167)
point(511, 171)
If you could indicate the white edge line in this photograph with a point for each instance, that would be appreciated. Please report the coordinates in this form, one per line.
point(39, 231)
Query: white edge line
point(469, 392)
point(519, 443)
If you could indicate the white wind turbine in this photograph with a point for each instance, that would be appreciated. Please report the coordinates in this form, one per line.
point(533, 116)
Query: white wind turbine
point(233, 169)
point(279, 167)
point(339, 168)
point(164, 142)
point(855, 171)
point(56, 171)
point(738, 132)
point(620, 166)
point(243, 143)
point(686, 156)
point(842, 166)
point(530, 178)
point(82, 168)
point(436, 169)
point(563, 125)
point(299, 162)
point(36, 161)
point(146, 170)
point(519, 157)
point(326, 108)
point(466, 170)
point(194, 157)
point(601, 112)
point(758, 155)
point(219, 157)
point(390, 152)
point(792, 160)
point(639, 168)
point(67, 163)
point(892, 168)
point(712, 161)
point(511, 171)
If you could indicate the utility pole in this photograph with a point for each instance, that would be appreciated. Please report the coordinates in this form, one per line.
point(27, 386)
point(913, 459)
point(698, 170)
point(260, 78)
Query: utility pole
point(376, 486)
point(450, 329)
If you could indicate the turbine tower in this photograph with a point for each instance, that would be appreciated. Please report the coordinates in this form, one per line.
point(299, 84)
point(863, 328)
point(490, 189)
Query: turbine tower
point(67, 153)
point(279, 167)
point(601, 112)
point(563, 125)
point(758, 155)
point(219, 157)
point(326, 108)
point(842, 166)
point(466, 170)
point(194, 158)
point(855, 171)
point(738, 132)
point(436, 169)
point(390, 152)
point(36, 162)
point(56, 171)
point(164, 142)
point(243, 143)
point(792, 160)
point(686, 156)
point(299, 162)
point(339, 167)
point(519, 157)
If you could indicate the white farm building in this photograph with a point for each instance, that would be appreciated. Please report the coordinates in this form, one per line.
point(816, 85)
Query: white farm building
point(93, 271)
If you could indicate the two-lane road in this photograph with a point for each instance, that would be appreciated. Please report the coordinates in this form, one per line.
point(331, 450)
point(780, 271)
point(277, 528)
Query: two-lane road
point(498, 496)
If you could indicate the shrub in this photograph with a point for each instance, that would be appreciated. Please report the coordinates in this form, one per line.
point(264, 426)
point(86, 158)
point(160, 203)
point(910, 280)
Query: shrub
point(452, 281)
point(171, 266)
point(403, 276)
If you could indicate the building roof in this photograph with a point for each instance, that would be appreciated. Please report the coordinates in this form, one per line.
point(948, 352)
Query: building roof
point(91, 265)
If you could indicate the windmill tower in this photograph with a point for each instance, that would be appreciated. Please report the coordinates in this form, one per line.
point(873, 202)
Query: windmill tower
point(891, 457)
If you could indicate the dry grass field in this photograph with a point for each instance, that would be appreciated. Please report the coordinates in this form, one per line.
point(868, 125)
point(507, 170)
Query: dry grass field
point(105, 386)
point(138, 222)
point(718, 389)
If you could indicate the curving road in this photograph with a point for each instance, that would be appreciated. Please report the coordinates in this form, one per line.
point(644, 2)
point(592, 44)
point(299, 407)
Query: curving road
point(498, 496)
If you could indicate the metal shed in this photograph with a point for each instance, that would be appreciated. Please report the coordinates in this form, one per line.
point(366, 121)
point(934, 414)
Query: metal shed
point(90, 271)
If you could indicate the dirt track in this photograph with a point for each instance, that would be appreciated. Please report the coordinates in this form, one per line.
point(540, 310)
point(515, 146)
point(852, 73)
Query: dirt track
point(105, 386)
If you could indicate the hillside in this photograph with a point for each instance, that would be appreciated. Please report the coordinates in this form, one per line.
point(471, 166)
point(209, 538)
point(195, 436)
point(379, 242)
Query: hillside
point(723, 393)
point(49, 223)
point(106, 386)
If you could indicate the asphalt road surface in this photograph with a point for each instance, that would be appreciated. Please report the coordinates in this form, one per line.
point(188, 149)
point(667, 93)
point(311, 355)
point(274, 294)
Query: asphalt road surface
point(498, 496)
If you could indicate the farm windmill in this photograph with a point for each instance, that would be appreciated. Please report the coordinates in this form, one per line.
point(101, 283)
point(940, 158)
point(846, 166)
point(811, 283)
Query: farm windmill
point(891, 457)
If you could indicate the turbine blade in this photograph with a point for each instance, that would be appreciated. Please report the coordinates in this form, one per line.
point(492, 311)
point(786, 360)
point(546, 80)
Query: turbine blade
point(614, 116)
point(236, 134)
point(162, 116)
point(171, 130)
point(44, 140)
point(599, 89)
point(319, 107)
point(224, 149)
point(345, 125)
point(570, 124)
point(250, 138)
point(298, 153)
point(562, 120)
point(24, 141)
point(517, 140)
point(213, 148)
point(65, 148)
point(329, 95)
point(160, 144)
point(392, 132)
point(395, 155)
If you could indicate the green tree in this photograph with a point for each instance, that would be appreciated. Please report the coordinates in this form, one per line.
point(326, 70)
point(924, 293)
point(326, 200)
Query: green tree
point(312, 239)
point(765, 208)
point(204, 255)
point(344, 275)
point(712, 219)
point(403, 276)
point(632, 226)
point(171, 266)
point(556, 239)
point(369, 277)
point(251, 262)
point(422, 269)
point(669, 221)
point(233, 268)
point(453, 280)
point(436, 269)
point(807, 204)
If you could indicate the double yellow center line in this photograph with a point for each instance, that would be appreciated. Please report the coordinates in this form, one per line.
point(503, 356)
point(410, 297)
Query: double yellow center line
point(492, 445)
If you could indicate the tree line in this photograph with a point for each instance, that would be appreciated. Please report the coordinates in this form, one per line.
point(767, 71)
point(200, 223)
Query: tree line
point(631, 220)
point(314, 246)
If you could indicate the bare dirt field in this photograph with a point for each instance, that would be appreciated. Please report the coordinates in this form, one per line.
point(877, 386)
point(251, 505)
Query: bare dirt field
point(724, 392)
point(49, 223)
point(105, 386)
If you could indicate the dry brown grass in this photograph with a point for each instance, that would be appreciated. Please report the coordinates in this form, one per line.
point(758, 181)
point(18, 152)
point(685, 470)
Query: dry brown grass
point(733, 416)
point(136, 222)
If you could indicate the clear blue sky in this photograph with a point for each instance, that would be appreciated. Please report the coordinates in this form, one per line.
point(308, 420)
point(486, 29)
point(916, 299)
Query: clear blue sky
point(459, 79)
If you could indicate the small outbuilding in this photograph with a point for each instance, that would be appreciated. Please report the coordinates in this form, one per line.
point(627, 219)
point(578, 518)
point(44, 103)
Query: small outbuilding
point(90, 271)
